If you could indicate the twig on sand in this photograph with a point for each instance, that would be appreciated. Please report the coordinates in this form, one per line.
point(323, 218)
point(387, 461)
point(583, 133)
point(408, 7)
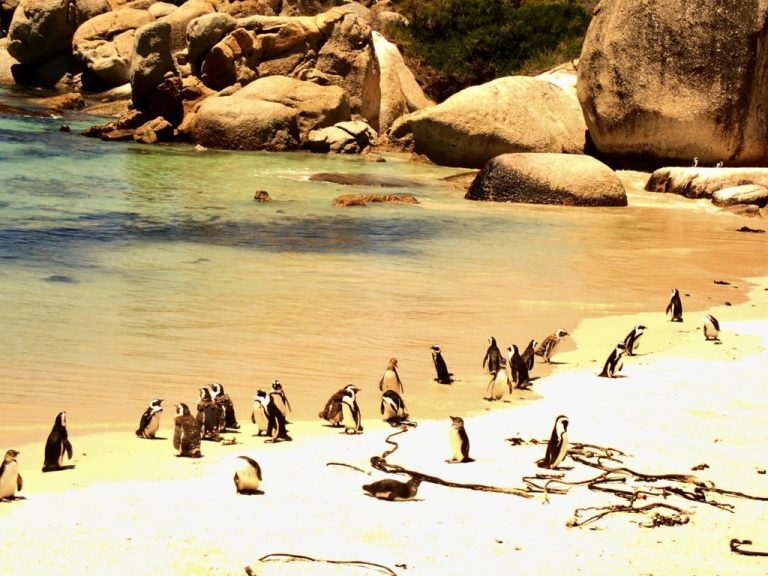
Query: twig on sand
point(736, 547)
point(283, 557)
point(348, 466)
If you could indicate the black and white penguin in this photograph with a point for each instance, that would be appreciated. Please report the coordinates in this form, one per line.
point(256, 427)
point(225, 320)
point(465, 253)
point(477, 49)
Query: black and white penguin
point(276, 422)
point(632, 341)
point(186, 433)
point(224, 402)
point(711, 327)
point(247, 476)
point(150, 420)
point(518, 369)
point(391, 379)
point(548, 345)
point(443, 376)
point(57, 444)
point(614, 362)
point(500, 383)
point(280, 398)
point(557, 448)
point(529, 354)
point(332, 410)
point(393, 408)
point(351, 417)
point(259, 412)
point(10, 479)
point(675, 307)
point(209, 416)
point(492, 356)
point(459, 441)
point(390, 489)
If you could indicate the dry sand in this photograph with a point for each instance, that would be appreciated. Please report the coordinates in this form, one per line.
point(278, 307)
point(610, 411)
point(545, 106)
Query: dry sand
point(129, 506)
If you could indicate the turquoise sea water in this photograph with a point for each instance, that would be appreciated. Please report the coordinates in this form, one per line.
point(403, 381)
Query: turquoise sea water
point(129, 272)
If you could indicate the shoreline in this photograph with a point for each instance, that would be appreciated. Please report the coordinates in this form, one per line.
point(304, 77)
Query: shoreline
point(682, 403)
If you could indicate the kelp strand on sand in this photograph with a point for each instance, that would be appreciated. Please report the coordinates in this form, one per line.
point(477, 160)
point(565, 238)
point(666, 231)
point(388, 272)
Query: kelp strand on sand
point(284, 557)
point(737, 547)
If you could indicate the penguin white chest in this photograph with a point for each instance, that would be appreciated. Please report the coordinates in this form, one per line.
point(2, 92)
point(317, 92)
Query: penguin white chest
point(154, 424)
point(562, 450)
point(246, 478)
point(389, 382)
point(280, 403)
point(456, 443)
point(348, 417)
point(9, 480)
point(500, 386)
point(260, 417)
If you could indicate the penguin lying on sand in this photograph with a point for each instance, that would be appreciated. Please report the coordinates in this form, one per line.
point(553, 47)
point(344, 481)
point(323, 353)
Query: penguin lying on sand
point(57, 444)
point(389, 489)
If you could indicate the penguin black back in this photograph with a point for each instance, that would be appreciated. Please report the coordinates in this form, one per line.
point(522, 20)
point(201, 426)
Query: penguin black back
point(492, 356)
point(675, 307)
point(557, 448)
point(57, 444)
point(443, 376)
point(632, 340)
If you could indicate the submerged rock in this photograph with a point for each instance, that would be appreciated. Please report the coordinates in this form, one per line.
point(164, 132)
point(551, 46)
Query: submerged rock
point(695, 182)
point(746, 194)
point(363, 199)
point(363, 180)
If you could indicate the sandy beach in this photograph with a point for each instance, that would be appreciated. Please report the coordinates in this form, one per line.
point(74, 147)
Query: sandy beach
point(130, 506)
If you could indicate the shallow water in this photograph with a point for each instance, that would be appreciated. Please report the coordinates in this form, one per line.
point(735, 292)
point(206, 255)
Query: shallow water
point(129, 272)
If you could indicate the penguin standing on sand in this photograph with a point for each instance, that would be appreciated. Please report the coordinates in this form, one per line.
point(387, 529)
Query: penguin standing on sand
point(259, 411)
point(209, 416)
point(224, 402)
point(332, 410)
point(392, 490)
point(711, 328)
point(518, 368)
point(492, 356)
point(276, 422)
point(675, 307)
point(57, 444)
point(557, 448)
point(459, 441)
point(391, 379)
point(500, 383)
point(186, 433)
point(247, 476)
point(280, 398)
point(393, 408)
point(10, 479)
point(443, 376)
point(351, 417)
point(632, 341)
point(529, 354)
point(614, 362)
point(150, 420)
point(548, 345)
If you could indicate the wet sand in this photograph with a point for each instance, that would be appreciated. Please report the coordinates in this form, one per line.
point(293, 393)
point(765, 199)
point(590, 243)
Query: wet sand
point(131, 506)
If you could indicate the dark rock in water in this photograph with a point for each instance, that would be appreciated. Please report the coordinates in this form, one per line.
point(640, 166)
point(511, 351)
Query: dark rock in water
point(752, 230)
point(65, 128)
point(261, 196)
point(7, 110)
point(363, 199)
point(363, 180)
point(61, 279)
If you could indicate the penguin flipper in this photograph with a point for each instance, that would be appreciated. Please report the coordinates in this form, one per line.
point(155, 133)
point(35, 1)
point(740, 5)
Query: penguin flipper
point(68, 448)
point(19, 482)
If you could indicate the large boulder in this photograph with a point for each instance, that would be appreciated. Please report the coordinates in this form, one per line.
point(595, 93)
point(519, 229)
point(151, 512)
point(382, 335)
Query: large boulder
point(400, 93)
point(548, 179)
point(105, 43)
point(745, 194)
point(41, 29)
point(204, 32)
point(151, 62)
point(687, 81)
point(696, 182)
point(507, 115)
point(6, 63)
point(180, 18)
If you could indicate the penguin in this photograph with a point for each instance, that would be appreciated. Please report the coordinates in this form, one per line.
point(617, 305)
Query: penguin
point(613, 363)
point(557, 448)
point(529, 354)
point(392, 490)
point(57, 444)
point(492, 356)
point(281, 400)
point(675, 307)
point(332, 410)
point(500, 384)
point(548, 345)
point(632, 341)
point(351, 417)
point(518, 369)
point(459, 441)
point(186, 433)
point(259, 411)
point(711, 328)
point(222, 399)
point(150, 420)
point(443, 376)
point(391, 379)
point(276, 422)
point(247, 476)
point(393, 408)
point(209, 416)
point(10, 479)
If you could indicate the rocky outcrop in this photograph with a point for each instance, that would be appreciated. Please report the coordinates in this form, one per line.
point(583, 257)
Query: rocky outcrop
point(690, 80)
point(746, 194)
point(548, 179)
point(204, 33)
point(105, 43)
point(180, 18)
point(151, 62)
point(703, 182)
point(41, 29)
point(512, 114)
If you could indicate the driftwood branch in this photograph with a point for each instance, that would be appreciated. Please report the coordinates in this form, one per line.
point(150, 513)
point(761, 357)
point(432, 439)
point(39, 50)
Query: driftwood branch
point(681, 516)
point(345, 465)
point(736, 547)
point(281, 557)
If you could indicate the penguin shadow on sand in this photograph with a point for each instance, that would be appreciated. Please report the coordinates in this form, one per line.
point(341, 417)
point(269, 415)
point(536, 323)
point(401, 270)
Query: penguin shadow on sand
point(59, 468)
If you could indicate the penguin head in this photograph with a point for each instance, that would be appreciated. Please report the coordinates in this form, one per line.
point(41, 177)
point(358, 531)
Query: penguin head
point(640, 328)
point(561, 424)
point(276, 385)
point(61, 419)
point(533, 343)
point(216, 389)
point(457, 421)
point(156, 403)
point(675, 292)
point(205, 394)
point(260, 394)
point(513, 350)
point(561, 332)
point(436, 348)
point(491, 341)
point(182, 409)
point(10, 456)
point(392, 363)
